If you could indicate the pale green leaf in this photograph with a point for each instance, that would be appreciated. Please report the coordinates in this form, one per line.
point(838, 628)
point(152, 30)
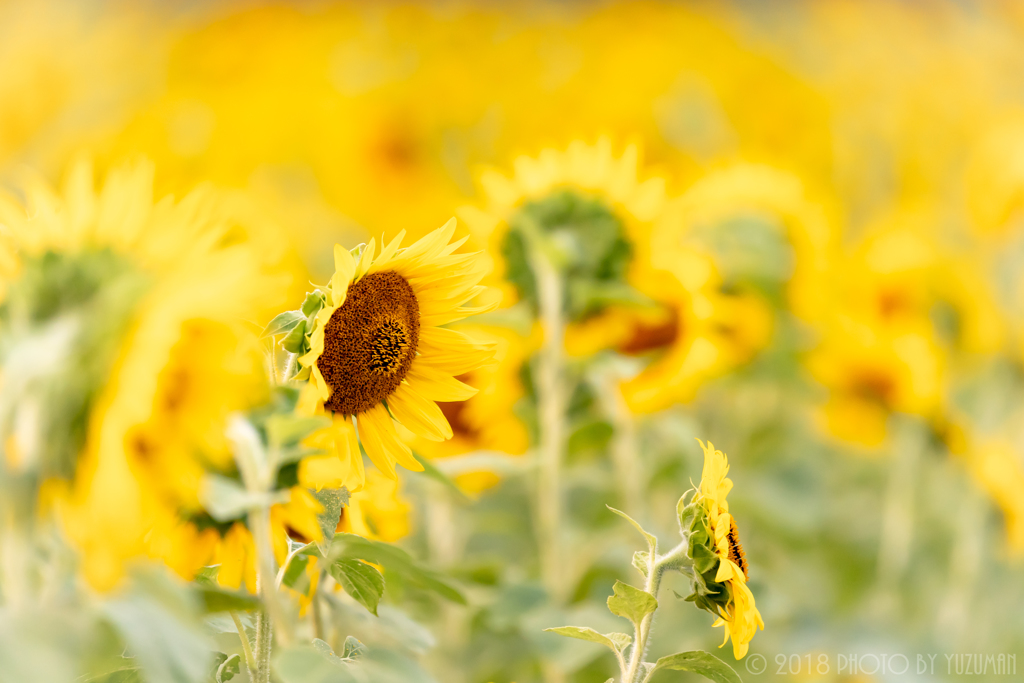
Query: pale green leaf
point(631, 603)
point(360, 580)
point(305, 664)
point(353, 649)
point(228, 669)
point(216, 599)
point(640, 559)
point(652, 541)
point(283, 323)
point(583, 633)
point(296, 338)
point(393, 559)
point(313, 303)
point(332, 500)
point(699, 662)
point(166, 649)
point(295, 573)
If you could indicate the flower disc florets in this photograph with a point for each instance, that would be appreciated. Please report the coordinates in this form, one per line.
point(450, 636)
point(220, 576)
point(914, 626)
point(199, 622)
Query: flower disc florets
point(370, 343)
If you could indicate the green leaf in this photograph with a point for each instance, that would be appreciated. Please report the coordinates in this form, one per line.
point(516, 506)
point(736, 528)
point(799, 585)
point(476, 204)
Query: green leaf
point(295, 571)
point(333, 500)
point(360, 580)
point(228, 669)
point(216, 599)
point(699, 662)
point(324, 648)
point(640, 558)
point(295, 339)
point(283, 323)
point(616, 641)
point(353, 649)
point(167, 649)
point(289, 429)
point(631, 603)
point(306, 664)
point(393, 559)
point(686, 512)
point(313, 303)
point(652, 541)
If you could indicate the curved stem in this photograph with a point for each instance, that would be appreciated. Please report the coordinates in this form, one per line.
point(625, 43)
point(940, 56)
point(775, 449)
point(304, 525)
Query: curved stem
point(250, 661)
point(656, 566)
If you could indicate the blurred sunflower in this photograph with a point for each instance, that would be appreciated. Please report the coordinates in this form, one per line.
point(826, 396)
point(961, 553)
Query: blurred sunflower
point(125, 347)
point(376, 352)
point(714, 534)
point(597, 208)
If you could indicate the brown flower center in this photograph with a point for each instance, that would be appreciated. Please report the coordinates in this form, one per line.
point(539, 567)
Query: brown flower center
point(736, 554)
point(370, 343)
point(652, 337)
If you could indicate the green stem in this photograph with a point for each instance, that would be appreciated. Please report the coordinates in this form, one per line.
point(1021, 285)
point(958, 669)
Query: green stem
point(318, 617)
point(264, 640)
point(289, 367)
point(625, 455)
point(250, 661)
point(551, 403)
point(898, 508)
point(656, 566)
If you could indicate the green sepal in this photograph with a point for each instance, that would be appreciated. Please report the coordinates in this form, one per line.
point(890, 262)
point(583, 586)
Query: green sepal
point(295, 340)
point(283, 323)
point(313, 303)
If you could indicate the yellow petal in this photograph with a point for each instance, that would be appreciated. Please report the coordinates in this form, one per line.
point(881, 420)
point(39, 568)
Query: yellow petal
point(452, 352)
point(366, 259)
point(420, 415)
point(344, 271)
point(379, 438)
point(383, 261)
point(436, 385)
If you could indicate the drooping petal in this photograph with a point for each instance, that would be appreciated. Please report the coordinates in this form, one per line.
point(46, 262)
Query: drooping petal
point(419, 414)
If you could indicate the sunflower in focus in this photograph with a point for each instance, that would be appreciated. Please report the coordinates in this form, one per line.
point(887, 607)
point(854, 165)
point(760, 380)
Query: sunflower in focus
point(720, 565)
point(124, 331)
point(376, 352)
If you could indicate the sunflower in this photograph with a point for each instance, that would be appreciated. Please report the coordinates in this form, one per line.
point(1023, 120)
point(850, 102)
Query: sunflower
point(588, 198)
point(123, 322)
point(674, 313)
point(376, 352)
point(720, 565)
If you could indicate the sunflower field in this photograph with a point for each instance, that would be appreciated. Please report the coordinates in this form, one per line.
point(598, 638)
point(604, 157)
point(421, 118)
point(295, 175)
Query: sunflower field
point(526, 342)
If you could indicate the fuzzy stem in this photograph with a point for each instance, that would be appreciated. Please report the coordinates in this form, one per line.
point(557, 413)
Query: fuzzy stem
point(264, 641)
point(250, 661)
point(289, 368)
point(272, 612)
point(551, 399)
point(656, 566)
